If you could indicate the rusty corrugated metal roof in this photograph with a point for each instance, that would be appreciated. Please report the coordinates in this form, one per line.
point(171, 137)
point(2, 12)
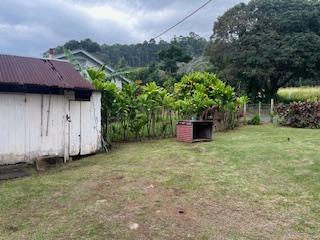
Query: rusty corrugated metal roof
point(16, 70)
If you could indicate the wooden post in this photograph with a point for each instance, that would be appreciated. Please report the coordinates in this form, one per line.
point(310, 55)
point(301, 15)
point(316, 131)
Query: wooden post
point(245, 112)
point(271, 109)
point(260, 110)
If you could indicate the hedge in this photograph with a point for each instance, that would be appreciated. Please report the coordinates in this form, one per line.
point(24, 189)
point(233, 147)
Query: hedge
point(299, 114)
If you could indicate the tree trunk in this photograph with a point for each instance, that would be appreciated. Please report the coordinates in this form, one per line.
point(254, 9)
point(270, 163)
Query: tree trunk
point(149, 126)
point(124, 130)
point(153, 122)
point(171, 123)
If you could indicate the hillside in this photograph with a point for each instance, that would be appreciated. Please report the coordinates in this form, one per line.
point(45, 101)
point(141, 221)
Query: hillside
point(136, 55)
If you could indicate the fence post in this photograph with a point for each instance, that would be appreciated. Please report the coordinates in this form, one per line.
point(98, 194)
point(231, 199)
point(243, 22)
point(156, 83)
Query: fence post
point(271, 109)
point(260, 110)
point(245, 112)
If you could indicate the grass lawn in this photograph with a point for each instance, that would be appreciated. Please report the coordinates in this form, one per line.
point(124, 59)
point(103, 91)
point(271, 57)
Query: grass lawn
point(251, 183)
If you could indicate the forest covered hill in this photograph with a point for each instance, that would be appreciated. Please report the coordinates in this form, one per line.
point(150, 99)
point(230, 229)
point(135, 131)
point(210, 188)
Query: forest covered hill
point(256, 47)
point(137, 55)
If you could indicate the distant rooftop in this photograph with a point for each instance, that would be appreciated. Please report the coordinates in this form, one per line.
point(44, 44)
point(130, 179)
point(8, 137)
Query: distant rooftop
point(94, 58)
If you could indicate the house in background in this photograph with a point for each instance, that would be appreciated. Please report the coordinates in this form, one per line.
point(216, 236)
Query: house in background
point(87, 60)
point(46, 109)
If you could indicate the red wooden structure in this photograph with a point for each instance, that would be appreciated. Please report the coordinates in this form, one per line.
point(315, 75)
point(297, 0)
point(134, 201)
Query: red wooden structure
point(194, 131)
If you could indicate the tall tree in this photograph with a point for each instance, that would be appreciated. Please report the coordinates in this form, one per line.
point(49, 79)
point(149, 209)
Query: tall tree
point(171, 56)
point(266, 44)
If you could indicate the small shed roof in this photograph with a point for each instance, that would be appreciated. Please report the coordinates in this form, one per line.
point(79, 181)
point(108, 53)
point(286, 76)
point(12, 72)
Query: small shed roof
point(16, 70)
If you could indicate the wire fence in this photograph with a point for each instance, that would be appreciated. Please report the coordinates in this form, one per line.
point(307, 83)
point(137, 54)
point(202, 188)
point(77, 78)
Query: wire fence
point(165, 125)
point(263, 110)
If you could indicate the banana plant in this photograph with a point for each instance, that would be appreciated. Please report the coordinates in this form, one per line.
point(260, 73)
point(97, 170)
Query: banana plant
point(151, 98)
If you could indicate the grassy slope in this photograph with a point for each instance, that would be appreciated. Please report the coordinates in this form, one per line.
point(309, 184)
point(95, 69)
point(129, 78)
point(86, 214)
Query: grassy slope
point(251, 183)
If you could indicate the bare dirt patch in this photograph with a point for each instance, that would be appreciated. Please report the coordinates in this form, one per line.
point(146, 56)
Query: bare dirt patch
point(172, 213)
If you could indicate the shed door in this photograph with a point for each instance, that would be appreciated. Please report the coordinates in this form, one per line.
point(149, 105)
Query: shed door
point(75, 128)
point(87, 130)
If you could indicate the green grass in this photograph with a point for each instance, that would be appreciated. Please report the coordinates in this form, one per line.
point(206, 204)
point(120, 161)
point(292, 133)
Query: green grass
point(251, 183)
point(299, 94)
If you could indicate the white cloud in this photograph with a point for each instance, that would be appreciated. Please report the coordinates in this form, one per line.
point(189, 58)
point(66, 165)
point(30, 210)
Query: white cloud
point(29, 27)
point(106, 12)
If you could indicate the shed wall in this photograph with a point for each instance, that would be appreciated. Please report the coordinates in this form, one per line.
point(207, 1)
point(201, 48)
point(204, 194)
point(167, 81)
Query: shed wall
point(33, 125)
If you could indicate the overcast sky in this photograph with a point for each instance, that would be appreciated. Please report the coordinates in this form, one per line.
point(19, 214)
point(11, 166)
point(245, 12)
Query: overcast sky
point(30, 27)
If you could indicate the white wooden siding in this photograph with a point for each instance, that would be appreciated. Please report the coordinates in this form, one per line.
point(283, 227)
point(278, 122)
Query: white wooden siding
point(33, 125)
point(75, 131)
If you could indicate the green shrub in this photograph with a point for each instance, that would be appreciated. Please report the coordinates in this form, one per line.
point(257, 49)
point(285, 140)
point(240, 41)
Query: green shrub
point(138, 111)
point(299, 94)
point(198, 91)
point(255, 120)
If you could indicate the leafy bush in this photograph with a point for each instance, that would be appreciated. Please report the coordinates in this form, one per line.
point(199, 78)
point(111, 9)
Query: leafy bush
point(200, 90)
point(137, 123)
point(255, 120)
point(150, 111)
point(209, 84)
point(299, 114)
point(299, 94)
point(203, 95)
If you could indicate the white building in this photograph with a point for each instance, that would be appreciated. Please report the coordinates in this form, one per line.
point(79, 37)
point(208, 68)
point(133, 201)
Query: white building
point(46, 109)
point(87, 60)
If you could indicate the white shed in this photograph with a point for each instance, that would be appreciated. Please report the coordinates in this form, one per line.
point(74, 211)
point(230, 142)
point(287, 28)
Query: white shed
point(46, 109)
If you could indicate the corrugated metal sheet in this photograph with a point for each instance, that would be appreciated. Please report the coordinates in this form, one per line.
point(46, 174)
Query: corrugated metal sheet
point(16, 70)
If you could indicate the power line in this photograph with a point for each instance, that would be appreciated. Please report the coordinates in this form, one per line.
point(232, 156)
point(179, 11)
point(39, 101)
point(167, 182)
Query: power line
point(182, 20)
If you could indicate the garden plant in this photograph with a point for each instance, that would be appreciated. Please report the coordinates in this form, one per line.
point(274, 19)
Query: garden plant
point(138, 111)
